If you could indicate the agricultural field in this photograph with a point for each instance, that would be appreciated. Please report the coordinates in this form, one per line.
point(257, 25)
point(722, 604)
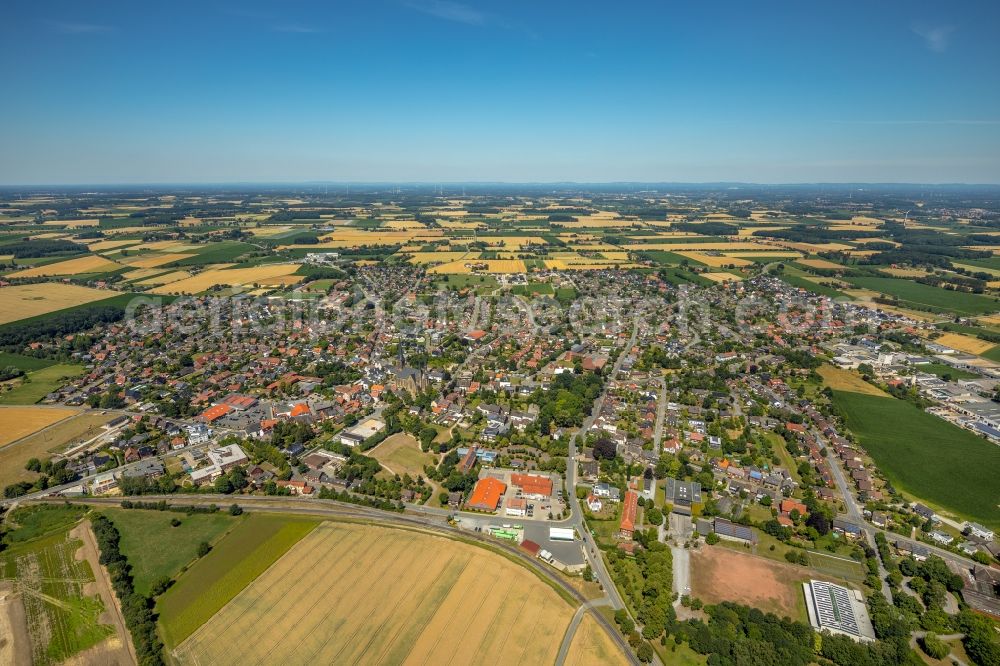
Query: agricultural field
point(268, 275)
point(400, 454)
point(966, 343)
point(723, 574)
point(211, 582)
point(18, 422)
point(461, 604)
point(156, 549)
point(592, 646)
point(46, 441)
point(91, 263)
point(30, 300)
point(925, 456)
point(846, 380)
point(37, 384)
point(48, 588)
point(922, 295)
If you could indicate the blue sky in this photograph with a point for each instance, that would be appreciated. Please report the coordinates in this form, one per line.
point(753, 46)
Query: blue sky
point(429, 90)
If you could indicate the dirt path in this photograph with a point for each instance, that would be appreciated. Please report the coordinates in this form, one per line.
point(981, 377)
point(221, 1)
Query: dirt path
point(118, 649)
point(15, 643)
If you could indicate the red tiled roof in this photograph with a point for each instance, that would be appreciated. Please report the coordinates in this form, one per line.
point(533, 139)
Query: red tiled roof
point(532, 484)
point(486, 495)
point(629, 509)
point(217, 411)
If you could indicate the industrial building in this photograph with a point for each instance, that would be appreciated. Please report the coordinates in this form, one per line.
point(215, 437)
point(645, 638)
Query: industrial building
point(838, 610)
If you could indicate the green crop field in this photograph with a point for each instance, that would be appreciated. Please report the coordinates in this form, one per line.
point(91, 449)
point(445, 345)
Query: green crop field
point(940, 369)
point(910, 292)
point(156, 549)
point(233, 563)
point(813, 287)
point(40, 383)
point(926, 456)
point(41, 561)
point(22, 362)
point(216, 253)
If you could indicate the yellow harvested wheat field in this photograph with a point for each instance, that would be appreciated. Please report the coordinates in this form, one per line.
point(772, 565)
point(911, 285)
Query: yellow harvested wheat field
point(440, 257)
point(846, 380)
point(30, 300)
point(271, 274)
point(72, 224)
point(91, 263)
point(336, 598)
point(592, 646)
point(100, 246)
point(492, 266)
point(18, 422)
point(164, 278)
point(820, 263)
point(722, 277)
point(145, 261)
point(966, 343)
point(715, 260)
point(903, 272)
point(696, 246)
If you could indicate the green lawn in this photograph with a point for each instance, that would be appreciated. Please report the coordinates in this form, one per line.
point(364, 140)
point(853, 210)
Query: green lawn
point(39, 520)
point(925, 456)
point(914, 293)
point(156, 549)
point(36, 385)
point(940, 369)
point(532, 289)
point(233, 563)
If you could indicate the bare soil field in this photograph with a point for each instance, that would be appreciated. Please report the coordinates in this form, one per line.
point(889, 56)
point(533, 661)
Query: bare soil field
point(117, 649)
point(720, 574)
point(846, 380)
point(592, 646)
point(18, 422)
point(336, 597)
point(15, 643)
point(30, 300)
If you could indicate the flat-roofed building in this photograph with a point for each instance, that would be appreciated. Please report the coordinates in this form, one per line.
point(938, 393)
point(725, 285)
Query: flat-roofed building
point(838, 610)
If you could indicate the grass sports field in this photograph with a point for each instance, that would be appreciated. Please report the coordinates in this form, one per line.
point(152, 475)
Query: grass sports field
point(29, 300)
point(336, 598)
point(926, 456)
point(211, 582)
point(155, 548)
